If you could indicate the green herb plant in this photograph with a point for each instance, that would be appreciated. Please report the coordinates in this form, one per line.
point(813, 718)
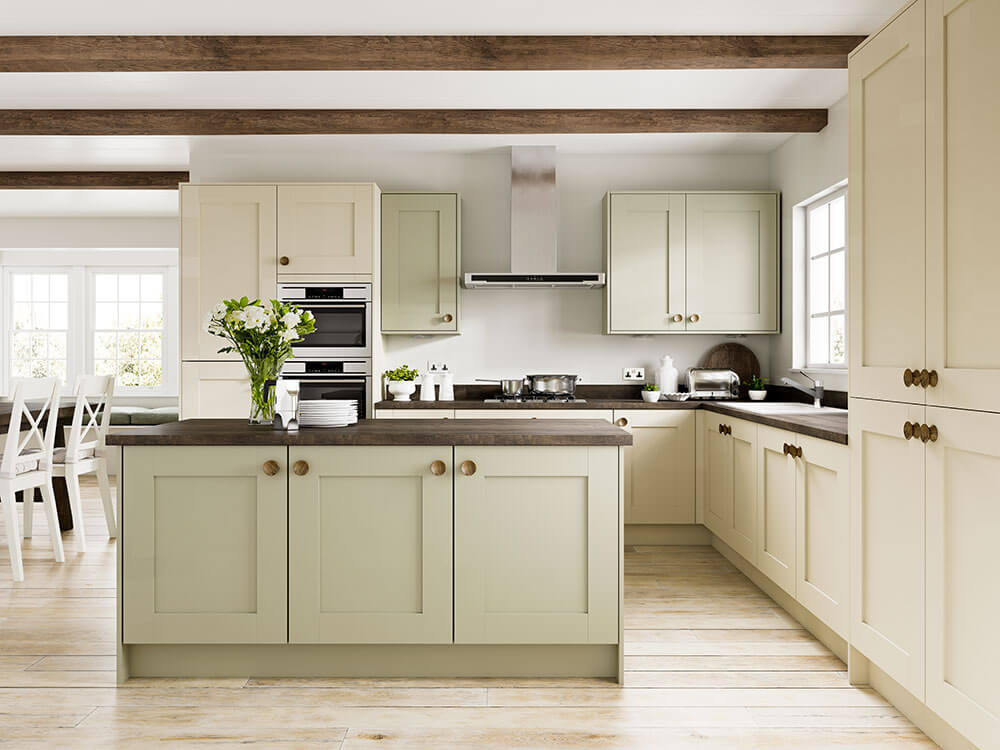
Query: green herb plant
point(756, 383)
point(403, 372)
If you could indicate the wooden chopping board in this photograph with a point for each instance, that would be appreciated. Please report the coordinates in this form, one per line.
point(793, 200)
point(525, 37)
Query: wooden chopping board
point(735, 357)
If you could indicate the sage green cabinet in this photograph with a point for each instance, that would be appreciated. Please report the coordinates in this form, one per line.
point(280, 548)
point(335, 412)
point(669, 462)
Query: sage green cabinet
point(370, 544)
point(205, 545)
point(691, 262)
point(536, 545)
point(421, 239)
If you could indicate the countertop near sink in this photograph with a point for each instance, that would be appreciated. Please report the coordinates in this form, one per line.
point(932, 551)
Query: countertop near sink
point(381, 432)
point(826, 424)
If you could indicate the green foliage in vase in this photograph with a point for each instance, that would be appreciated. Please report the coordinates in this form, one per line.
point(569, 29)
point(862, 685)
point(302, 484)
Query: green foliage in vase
point(756, 383)
point(403, 372)
point(651, 387)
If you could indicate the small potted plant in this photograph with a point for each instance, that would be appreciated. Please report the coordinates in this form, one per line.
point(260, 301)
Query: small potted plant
point(401, 382)
point(651, 393)
point(756, 387)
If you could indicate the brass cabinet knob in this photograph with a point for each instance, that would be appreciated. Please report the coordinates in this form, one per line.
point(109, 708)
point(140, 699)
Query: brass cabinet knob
point(283, 260)
point(694, 318)
point(910, 429)
point(797, 451)
point(928, 433)
point(722, 429)
point(447, 317)
point(928, 378)
point(437, 468)
point(911, 377)
point(301, 468)
point(678, 318)
point(621, 422)
point(786, 448)
point(729, 429)
point(271, 468)
point(468, 468)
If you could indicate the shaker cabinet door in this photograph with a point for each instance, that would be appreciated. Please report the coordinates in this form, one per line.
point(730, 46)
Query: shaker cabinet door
point(326, 229)
point(420, 263)
point(370, 544)
point(205, 545)
point(659, 466)
point(776, 486)
point(730, 482)
point(228, 238)
point(886, 247)
point(214, 390)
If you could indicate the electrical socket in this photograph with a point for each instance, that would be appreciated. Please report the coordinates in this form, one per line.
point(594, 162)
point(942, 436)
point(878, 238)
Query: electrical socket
point(634, 373)
point(433, 366)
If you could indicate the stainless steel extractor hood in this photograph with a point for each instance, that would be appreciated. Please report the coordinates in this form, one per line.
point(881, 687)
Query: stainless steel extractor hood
point(534, 228)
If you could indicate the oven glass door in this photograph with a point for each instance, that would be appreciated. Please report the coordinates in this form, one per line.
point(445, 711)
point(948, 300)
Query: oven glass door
point(338, 388)
point(342, 330)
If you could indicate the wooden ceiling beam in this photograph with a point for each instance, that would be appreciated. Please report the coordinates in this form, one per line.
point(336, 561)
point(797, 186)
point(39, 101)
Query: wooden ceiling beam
point(115, 54)
point(51, 180)
point(405, 121)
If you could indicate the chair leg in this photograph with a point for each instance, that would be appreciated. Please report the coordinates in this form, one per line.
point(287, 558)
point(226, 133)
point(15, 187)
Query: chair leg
point(76, 508)
point(29, 513)
point(13, 535)
point(52, 521)
point(109, 507)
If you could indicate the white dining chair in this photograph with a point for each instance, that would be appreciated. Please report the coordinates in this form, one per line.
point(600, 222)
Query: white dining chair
point(26, 461)
point(85, 451)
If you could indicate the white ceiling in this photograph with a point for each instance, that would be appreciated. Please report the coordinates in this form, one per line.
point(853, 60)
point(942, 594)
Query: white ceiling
point(450, 17)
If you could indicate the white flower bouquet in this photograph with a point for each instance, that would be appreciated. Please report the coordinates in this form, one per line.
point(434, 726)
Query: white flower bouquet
point(262, 333)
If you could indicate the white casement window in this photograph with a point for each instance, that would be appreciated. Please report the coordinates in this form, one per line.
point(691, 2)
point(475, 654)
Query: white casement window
point(38, 329)
point(65, 321)
point(826, 282)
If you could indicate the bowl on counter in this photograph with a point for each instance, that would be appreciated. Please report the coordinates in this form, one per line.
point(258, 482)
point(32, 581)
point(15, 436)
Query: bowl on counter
point(677, 396)
point(650, 397)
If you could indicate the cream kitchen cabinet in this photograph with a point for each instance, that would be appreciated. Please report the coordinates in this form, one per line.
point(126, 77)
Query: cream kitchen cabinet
point(691, 262)
point(214, 390)
point(327, 228)
point(415, 414)
point(562, 413)
point(205, 545)
point(659, 466)
point(777, 483)
point(729, 481)
point(536, 545)
point(421, 240)
point(887, 538)
point(228, 240)
point(963, 601)
point(390, 506)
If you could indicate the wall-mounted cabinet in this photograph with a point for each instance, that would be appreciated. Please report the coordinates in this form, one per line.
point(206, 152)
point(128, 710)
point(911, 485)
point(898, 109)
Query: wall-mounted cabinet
point(691, 262)
point(327, 229)
point(421, 260)
point(214, 390)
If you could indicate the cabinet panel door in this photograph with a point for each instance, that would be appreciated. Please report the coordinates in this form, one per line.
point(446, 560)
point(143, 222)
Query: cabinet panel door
point(886, 198)
point(963, 179)
point(370, 545)
point(645, 262)
point(420, 266)
point(717, 476)
point(326, 228)
point(536, 545)
point(776, 481)
point(963, 601)
point(565, 412)
point(415, 414)
point(823, 510)
point(743, 535)
point(732, 262)
point(205, 545)
point(887, 540)
point(228, 238)
point(214, 390)
point(659, 466)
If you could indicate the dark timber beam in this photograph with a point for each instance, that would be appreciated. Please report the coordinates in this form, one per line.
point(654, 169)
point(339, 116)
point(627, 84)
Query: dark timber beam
point(393, 121)
point(113, 54)
point(92, 180)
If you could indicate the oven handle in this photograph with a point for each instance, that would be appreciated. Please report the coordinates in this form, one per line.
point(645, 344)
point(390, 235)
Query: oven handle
point(307, 304)
point(324, 379)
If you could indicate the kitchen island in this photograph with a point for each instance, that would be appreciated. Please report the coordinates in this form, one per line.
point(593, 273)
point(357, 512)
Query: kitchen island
point(404, 548)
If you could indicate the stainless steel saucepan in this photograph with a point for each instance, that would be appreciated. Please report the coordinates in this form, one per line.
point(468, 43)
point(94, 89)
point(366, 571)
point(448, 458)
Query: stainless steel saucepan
point(553, 385)
point(509, 387)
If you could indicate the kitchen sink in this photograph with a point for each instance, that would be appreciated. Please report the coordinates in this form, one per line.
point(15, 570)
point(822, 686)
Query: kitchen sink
point(784, 408)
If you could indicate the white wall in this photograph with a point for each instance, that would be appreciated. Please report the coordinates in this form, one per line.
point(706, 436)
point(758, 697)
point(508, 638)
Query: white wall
point(507, 333)
point(88, 232)
point(803, 168)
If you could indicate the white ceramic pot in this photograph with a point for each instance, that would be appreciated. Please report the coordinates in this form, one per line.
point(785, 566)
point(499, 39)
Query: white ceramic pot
point(651, 397)
point(401, 390)
point(757, 395)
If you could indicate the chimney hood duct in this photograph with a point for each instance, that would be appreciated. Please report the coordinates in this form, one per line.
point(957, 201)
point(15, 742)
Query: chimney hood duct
point(534, 228)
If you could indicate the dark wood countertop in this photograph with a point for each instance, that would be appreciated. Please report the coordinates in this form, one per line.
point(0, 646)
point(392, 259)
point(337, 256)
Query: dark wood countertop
point(382, 432)
point(826, 425)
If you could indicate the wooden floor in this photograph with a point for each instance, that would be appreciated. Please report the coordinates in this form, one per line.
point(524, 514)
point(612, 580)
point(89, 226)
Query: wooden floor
point(712, 663)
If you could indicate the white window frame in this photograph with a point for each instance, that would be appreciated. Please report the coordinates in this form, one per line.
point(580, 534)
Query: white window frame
point(80, 349)
point(807, 314)
point(168, 385)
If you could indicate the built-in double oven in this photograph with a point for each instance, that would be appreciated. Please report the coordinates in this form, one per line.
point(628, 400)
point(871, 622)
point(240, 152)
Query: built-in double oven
point(335, 361)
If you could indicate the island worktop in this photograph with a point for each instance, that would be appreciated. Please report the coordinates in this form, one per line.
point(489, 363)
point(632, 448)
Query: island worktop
point(498, 432)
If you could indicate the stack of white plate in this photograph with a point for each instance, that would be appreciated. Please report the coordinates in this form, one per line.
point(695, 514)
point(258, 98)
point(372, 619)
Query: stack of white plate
point(328, 413)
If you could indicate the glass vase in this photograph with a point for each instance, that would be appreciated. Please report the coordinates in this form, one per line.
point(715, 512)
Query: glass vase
point(262, 397)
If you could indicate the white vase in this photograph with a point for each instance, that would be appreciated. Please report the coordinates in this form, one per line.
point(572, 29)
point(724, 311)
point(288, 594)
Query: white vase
point(401, 390)
point(651, 397)
point(757, 395)
point(666, 374)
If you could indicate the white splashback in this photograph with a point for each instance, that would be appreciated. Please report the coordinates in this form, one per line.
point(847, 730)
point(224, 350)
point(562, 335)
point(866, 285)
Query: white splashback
point(508, 332)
